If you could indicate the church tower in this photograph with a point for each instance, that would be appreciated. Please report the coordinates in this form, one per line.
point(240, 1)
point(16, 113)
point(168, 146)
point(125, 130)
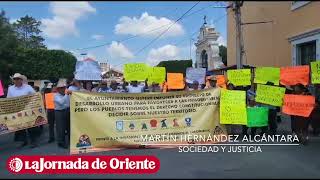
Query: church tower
point(207, 48)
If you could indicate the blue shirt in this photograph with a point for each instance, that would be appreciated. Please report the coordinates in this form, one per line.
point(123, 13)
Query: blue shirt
point(61, 101)
point(73, 88)
point(25, 89)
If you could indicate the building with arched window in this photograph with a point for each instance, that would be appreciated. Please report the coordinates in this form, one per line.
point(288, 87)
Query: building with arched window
point(207, 52)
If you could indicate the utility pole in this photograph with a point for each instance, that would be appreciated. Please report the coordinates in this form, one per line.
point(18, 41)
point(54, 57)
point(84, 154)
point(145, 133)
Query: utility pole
point(236, 8)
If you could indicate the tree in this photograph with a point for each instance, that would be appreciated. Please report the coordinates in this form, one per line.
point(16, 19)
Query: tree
point(45, 64)
point(175, 66)
point(8, 48)
point(223, 54)
point(28, 30)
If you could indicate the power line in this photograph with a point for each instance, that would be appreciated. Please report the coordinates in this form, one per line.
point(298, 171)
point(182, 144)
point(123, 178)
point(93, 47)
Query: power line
point(152, 30)
point(152, 41)
point(215, 21)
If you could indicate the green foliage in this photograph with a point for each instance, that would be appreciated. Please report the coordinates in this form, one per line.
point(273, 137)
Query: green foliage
point(28, 30)
point(223, 54)
point(45, 64)
point(8, 47)
point(22, 50)
point(176, 66)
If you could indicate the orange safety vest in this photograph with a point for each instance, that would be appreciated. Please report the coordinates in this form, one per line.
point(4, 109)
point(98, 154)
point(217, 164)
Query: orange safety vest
point(49, 99)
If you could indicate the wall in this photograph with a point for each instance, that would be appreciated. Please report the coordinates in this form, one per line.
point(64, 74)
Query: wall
point(267, 44)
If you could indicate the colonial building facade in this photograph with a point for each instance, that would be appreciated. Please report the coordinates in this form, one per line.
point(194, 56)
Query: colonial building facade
point(207, 48)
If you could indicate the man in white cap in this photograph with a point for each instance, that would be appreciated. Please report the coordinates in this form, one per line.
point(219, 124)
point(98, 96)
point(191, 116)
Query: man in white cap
point(61, 107)
point(21, 89)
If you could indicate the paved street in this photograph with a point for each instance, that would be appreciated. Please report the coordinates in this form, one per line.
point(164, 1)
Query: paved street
point(274, 161)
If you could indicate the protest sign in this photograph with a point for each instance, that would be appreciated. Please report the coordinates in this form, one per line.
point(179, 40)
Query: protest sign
point(136, 72)
point(239, 77)
point(257, 116)
point(221, 81)
point(294, 75)
point(233, 107)
point(122, 120)
point(196, 74)
point(1, 89)
point(267, 74)
point(298, 105)
point(157, 75)
point(88, 70)
point(271, 95)
point(21, 112)
point(175, 81)
point(315, 72)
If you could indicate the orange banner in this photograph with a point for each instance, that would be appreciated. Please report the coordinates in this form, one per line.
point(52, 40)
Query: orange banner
point(294, 75)
point(49, 98)
point(221, 81)
point(299, 105)
point(175, 81)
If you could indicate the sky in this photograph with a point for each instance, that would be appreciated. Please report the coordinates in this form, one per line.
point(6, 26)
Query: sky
point(117, 32)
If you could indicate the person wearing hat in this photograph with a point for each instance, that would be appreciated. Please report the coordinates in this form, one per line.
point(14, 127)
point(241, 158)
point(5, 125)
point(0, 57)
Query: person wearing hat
point(61, 107)
point(210, 82)
point(19, 88)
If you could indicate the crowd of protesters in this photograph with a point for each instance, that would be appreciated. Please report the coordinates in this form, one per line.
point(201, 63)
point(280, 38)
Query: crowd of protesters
point(58, 112)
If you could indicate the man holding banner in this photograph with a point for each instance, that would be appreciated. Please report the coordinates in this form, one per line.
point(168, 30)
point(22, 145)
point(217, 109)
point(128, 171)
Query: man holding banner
point(62, 114)
point(21, 89)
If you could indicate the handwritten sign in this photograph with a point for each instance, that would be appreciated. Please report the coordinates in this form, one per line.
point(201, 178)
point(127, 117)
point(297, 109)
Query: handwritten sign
point(257, 116)
point(265, 74)
point(135, 72)
point(196, 74)
point(315, 72)
point(239, 77)
point(175, 81)
point(157, 74)
point(221, 81)
point(294, 75)
point(1, 89)
point(271, 95)
point(299, 105)
point(233, 107)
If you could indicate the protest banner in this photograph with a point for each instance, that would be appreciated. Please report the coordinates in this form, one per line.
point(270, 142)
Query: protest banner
point(257, 116)
point(294, 75)
point(298, 105)
point(88, 70)
point(315, 72)
point(196, 74)
point(221, 81)
point(239, 77)
point(233, 107)
point(267, 74)
point(157, 75)
point(124, 120)
point(175, 81)
point(21, 112)
point(1, 89)
point(271, 95)
point(136, 71)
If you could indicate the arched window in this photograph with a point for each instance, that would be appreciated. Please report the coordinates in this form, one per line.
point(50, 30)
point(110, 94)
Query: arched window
point(204, 59)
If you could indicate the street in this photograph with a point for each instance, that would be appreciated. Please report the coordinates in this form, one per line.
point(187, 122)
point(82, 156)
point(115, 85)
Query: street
point(273, 162)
